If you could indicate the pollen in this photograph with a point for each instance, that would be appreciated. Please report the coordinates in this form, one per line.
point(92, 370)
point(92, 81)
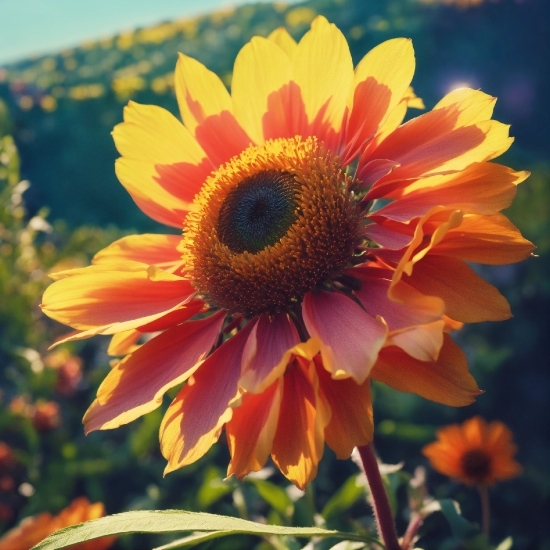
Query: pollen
point(270, 225)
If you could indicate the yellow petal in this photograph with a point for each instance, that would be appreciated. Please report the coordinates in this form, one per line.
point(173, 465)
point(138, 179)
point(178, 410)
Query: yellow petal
point(151, 133)
point(124, 342)
point(351, 422)
point(251, 430)
point(140, 179)
point(392, 64)
point(114, 298)
point(282, 38)
point(323, 69)
point(261, 68)
point(200, 92)
point(160, 250)
point(304, 414)
point(474, 105)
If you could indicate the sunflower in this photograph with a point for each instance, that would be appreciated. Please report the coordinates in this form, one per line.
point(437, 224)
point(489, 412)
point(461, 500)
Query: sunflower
point(324, 244)
point(33, 529)
point(475, 452)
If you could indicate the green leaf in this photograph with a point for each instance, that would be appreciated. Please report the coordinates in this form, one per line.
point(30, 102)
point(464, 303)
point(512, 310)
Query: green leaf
point(273, 495)
point(460, 526)
point(175, 521)
point(350, 492)
point(348, 545)
point(195, 538)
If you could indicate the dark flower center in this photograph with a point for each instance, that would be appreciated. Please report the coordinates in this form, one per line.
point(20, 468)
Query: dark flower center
point(258, 212)
point(272, 224)
point(476, 464)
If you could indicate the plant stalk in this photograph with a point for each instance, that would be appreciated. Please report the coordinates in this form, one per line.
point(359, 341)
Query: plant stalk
point(485, 509)
point(408, 538)
point(381, 505)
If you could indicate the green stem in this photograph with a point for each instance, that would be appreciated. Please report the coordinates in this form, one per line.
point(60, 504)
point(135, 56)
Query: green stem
point(485, 509)
point(380, 503)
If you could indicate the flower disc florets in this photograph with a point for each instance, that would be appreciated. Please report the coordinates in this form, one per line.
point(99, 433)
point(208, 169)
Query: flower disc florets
point(270, 225)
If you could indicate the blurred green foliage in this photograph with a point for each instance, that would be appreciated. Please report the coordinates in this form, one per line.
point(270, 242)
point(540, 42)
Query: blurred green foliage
point(62, 109)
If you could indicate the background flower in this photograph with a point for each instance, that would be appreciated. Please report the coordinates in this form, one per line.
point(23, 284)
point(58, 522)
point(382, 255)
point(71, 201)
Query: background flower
point(475, 452)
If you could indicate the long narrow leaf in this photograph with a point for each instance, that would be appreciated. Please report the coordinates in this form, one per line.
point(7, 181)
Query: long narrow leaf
point(175, 521)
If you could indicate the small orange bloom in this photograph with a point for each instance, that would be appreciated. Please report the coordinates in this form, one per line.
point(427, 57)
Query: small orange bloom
point(6, 456)
point(474, 452)
point(68, 368)
point(45, 415)
point(36, 528)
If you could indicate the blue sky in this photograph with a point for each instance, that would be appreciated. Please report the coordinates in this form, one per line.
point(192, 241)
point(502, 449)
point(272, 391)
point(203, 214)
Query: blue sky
point(30, 27)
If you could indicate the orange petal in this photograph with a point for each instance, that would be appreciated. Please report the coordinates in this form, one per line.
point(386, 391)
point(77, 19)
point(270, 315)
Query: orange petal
point(349, 337)
point(110, 298)
point(482, 188)
point(222, 137)
point(159, 250)
point(207, 110)
point(142, 181)
point(194, 419)
point(406, 308)
point(174, 317)
point(137, 384)
point(468, 298)
point(475, 431)
point(351, 422)
point(446, 380)
point(200, 92)
point(487, 240)
point(421, 342)
point(251, 430)
point(267, 351)
point(438, 146)
point(381, 79)
point(299, 440)
point(445, 460)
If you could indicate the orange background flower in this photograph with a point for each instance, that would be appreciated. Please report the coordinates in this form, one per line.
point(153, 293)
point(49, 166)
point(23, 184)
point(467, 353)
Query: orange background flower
point(36, 528)
point(475, 452)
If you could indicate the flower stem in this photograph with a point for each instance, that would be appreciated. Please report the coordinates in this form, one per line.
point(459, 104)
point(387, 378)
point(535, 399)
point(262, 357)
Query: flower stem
point(412, 530)
point(485, 509)
point(381, 505)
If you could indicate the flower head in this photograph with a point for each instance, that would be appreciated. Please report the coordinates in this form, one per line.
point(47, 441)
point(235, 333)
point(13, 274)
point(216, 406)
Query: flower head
point(36, 528)
point(324, 244)
point(475, 452)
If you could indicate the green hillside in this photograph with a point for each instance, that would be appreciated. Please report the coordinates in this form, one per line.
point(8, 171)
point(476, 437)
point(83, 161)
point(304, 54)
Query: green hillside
point(65, 105)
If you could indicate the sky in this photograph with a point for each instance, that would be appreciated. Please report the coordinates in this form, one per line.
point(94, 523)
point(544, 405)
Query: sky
point(29, 27)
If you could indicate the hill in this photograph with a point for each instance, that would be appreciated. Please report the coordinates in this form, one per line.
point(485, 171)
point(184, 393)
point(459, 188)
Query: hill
point(65, 105)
